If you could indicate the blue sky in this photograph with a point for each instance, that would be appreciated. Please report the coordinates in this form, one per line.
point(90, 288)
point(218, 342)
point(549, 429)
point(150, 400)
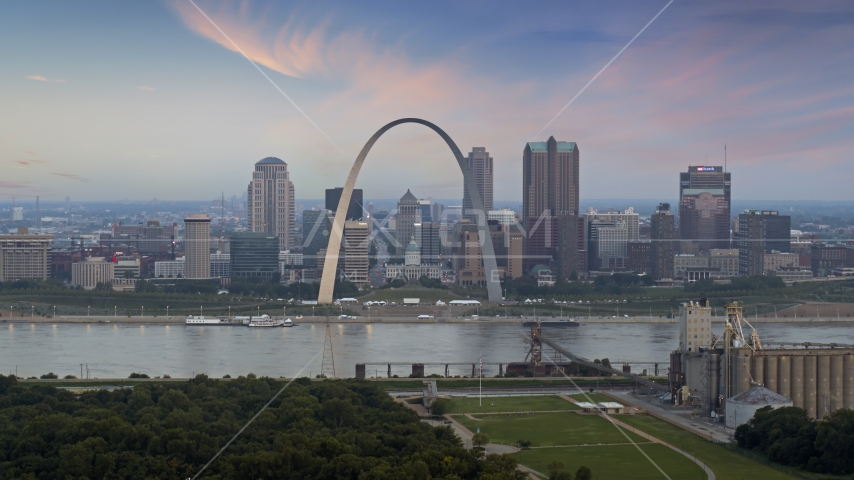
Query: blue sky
point(114, 100)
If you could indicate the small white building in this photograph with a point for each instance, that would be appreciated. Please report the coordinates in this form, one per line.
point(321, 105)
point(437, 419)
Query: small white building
point(610, 407)
point(741, 408)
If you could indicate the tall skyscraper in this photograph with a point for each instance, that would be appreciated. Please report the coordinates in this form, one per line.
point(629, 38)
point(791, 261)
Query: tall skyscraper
point(550, 179)
point(356, 245)
point(408, 214)
point(704, 209)
point(270, 201)
point(549, 190)
point(750, 242)
point(197, 246)
point(662, 234)
point(354, 210)
point(480, 166)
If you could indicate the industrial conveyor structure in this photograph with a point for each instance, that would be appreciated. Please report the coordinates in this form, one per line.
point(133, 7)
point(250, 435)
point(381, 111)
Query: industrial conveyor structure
point(589, 363)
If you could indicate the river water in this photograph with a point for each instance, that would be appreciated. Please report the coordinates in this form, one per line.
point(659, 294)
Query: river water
point(116, 350)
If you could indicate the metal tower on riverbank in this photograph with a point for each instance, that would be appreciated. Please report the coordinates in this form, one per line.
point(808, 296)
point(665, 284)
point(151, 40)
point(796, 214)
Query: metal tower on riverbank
point(328, 363)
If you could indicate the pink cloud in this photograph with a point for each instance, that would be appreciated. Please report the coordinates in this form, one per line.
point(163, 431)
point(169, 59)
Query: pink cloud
point(147, 89)
point(37, 78)
point(71, 176)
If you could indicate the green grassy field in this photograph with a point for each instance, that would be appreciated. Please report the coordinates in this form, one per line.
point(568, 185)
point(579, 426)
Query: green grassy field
point(725, 463)
point(616, 461)
point(510, 404)
point(442, 383)
point(548, 429)
point(593, 397)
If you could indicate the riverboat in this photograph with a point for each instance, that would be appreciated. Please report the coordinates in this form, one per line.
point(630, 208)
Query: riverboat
point(265, 321)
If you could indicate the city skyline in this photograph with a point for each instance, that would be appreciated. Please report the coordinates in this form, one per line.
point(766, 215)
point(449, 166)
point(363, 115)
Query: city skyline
point(172, 94)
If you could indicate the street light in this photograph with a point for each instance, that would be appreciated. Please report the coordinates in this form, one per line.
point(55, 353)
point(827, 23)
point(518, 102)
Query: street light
point(167, 311)
point(88, 309)
point(115, 311)
point(33, 312)
point(54, 310)
point(143, 310)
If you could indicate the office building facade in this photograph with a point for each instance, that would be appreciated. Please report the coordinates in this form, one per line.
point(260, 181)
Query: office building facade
point(607, 236)
point(270, 201)
point(254, 255)
point(356, 245)
point(550, 178)
point(315, 235)
point(704, 209)
point(197, 246)
point(663, 236)
point(408, 214)
point(24, 256)
point(355, 210)
point(480, 166)
point(92, 271)
point(758, 232)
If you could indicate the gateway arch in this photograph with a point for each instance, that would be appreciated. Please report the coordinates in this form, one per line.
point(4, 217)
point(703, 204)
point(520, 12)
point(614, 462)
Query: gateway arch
point(327, 282)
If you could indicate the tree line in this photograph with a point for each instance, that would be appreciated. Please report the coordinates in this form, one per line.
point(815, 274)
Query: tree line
point(314, 430)
point(789, 437)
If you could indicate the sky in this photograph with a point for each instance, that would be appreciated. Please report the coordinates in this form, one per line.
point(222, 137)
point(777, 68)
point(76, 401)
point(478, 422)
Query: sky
point(177, 100)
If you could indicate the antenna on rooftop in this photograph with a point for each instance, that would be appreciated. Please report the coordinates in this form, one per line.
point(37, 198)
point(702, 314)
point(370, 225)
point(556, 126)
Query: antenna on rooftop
point(725, 157)
point(38, 215)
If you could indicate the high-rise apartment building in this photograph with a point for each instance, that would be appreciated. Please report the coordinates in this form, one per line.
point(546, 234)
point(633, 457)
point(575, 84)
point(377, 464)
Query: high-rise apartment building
point(356, 246)
point(408, 214)
point(355, 211)
point(480, 166)
point(270, 201)
point(197, 246)
point(550, 179)
point(663, 235)
point(704, 209)
point(24, 256)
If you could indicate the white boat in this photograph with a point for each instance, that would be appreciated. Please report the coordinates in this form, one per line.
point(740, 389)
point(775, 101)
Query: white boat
point(200, 320)
point(288, 323)
point(265, 321)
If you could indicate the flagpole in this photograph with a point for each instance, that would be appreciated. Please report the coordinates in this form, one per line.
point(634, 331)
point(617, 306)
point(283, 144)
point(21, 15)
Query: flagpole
point(480, 393)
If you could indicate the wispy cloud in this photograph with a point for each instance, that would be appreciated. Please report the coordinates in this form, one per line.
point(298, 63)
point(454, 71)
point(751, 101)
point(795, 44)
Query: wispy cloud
point(147, 89)
point(38, 78)
point(4, 184)
point(71, 176)
point(30, 162)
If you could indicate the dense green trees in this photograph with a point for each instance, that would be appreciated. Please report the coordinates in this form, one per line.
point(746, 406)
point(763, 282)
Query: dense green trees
point(737, 284)
point(614, 284)
point(330, 429)
point(788, 437)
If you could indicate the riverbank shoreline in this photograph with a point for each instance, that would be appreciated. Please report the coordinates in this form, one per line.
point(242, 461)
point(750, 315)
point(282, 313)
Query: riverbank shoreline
point(180, 320)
